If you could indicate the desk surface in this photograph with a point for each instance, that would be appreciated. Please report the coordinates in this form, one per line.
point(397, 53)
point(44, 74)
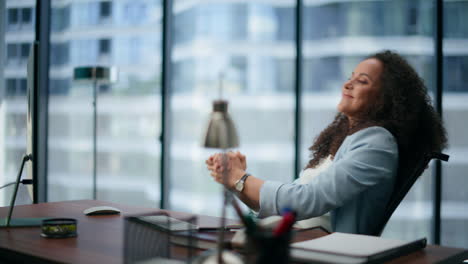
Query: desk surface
point(100, 238)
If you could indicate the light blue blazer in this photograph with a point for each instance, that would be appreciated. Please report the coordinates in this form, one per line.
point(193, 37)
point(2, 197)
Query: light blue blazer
point(355, 188)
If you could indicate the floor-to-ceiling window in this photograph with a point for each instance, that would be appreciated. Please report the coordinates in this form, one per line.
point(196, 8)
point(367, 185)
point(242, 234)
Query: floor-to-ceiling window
point(337, 36)
point(121, 34)
point(248, 48)
point(454, 213)
point(16, 35)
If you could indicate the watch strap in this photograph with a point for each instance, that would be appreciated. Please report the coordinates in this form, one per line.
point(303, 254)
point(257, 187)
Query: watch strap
point(244, 177)
point(239, 185)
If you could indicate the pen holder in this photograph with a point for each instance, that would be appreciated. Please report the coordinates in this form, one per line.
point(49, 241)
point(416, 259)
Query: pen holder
point(150, 237)
point(264, 247)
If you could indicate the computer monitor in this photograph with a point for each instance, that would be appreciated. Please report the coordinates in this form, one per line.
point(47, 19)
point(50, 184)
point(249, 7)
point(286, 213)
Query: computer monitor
point(31, 112)
point(31, 124)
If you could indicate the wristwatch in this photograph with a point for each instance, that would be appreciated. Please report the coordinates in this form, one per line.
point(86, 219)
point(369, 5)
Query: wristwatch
point(239, 185)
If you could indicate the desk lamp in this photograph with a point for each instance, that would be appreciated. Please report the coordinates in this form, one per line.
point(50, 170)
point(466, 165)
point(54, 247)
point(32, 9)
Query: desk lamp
point(221, 134)
point(95, 74)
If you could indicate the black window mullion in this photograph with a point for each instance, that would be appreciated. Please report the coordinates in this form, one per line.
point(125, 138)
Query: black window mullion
point(298, 89)
point(437, 172)
point(165, 101)
point(42, 37)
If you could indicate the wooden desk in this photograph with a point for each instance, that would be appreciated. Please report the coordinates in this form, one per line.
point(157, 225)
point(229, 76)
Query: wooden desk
point(100, 238)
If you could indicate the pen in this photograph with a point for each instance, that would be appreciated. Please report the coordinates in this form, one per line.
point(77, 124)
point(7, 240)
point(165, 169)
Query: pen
point(250, 225)
point(247, 220)
point(285, 224)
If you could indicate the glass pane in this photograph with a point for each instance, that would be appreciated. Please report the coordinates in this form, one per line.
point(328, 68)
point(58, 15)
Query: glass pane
point(26, 15)
point(15, 41)
point(251, 45)
point(337, 36)
point(125, 34)
point(455, 109)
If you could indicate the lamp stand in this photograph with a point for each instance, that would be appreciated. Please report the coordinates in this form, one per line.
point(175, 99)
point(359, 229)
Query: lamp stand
point(95, 74)
point(95, 139)
point(223, 212)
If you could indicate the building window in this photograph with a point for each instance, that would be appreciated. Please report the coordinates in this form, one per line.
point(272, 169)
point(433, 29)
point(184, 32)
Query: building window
point(16, 87)
point(24, 50)
point(104, 88)
point(12, 52)
point(413, 17)
point(17, 52)
point(286, 20)
point(59, 86)
point(104, 47)
point(11, 87)
point(26, 16)
point(455, 78)
point(23, 86)
point(61, 19)
point(105, 10)
point(135, 12)
point(13, 16)
point(20, 17)
point(455, 14)
point(60, 56)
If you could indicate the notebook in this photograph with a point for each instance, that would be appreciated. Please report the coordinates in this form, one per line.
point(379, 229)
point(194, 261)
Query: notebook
point(351, 248)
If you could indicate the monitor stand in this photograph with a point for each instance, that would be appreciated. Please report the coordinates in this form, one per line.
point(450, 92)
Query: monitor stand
point(18, 222)
point(21, 222)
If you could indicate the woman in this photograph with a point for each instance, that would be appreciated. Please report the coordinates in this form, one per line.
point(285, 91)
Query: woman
point(385, 122)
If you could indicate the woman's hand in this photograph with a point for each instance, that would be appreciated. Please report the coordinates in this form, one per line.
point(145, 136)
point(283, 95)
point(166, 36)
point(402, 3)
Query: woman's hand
point(233, 167)
point(214, 165)
point(242, 160)
point(211, 163)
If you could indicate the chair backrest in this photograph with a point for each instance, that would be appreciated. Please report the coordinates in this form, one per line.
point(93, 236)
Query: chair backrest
point(406, 181)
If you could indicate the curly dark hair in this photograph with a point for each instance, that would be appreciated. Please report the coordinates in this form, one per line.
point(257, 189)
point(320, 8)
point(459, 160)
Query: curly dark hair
point(403, 108)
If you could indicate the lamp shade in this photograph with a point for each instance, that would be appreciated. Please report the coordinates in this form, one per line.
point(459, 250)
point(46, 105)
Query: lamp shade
point(95, 73)
point(221, 132)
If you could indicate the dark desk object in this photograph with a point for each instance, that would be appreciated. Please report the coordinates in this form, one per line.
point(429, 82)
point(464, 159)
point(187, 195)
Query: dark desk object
point(100, 238)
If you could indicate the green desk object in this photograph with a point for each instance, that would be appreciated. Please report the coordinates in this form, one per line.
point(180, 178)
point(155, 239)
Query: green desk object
point(59, 228)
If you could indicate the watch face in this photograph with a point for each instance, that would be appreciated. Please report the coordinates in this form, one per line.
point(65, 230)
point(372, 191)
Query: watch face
point(239, 186)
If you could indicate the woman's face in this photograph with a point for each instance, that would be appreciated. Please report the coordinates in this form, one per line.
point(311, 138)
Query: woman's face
point(362, 88)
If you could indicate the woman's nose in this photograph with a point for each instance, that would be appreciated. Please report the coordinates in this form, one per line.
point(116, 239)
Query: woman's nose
point(348, 84)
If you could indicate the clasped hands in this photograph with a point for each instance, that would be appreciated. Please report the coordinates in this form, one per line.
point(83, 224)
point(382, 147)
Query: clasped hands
point(232, 167)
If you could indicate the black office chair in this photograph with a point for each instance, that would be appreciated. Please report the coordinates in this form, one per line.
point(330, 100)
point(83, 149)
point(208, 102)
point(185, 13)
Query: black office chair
point(404, 184)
